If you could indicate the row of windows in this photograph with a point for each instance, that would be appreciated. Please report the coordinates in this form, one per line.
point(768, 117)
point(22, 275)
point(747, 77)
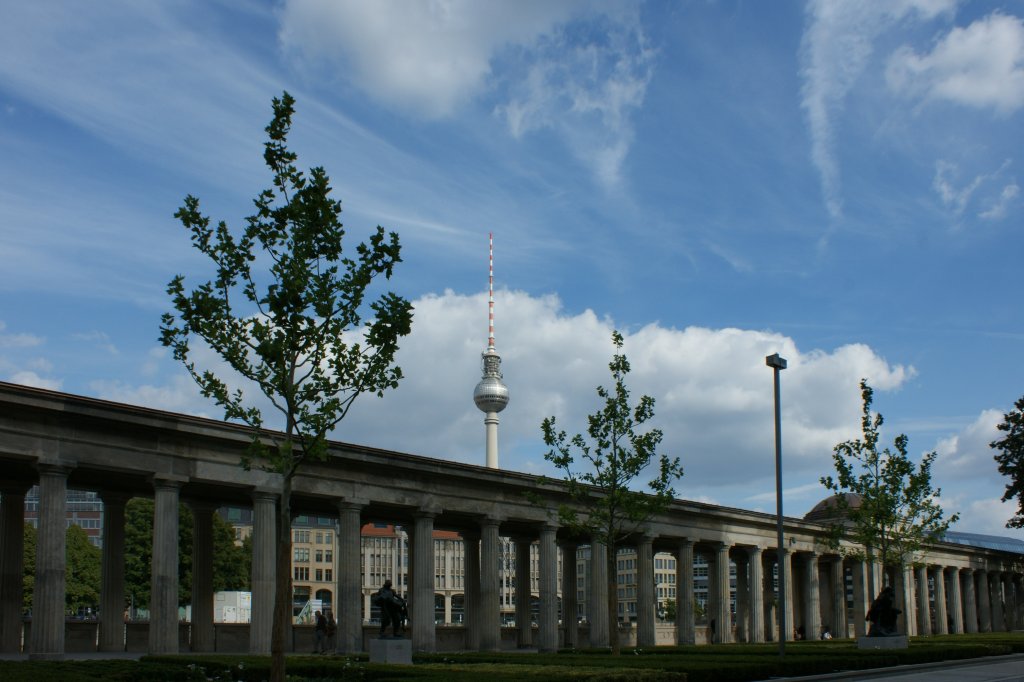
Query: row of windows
point(305, 536)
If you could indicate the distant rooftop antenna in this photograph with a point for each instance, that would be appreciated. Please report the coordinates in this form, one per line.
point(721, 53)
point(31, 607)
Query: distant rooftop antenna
point(491, 395)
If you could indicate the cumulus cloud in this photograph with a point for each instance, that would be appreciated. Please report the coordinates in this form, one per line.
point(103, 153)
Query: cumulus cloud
point(713, 392)
point(427, 57)
point(837, 43)
point(579, 69)
point(30, 378)
point(971, 484)
point(980, 66)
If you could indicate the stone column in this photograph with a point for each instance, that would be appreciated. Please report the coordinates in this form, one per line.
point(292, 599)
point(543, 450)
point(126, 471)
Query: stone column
point(112, 573)
point(904, 588)
point(742, 598)
point(570, 623)
point(956, 610)
point(490, 620)
point(861, 598)
point(598, 602)
point(837, 577)
point(1011, 601)
point(163, 601)
point(471, 543)
point(47, 639)
point(924, 616)
point(645, 611)
point(1019, 601)
point(984, 601)
point(970, 594)
point(12, 554)
point(349, 638)
point(264, 546)
point(755, 580)
point(941, 623)
point(995, 583)
point(787, 568)
point(524, 626)
point(721, 611)
point(202, 576)
point(548, 568)
point(812, 605)
point(685, 630)
point(424, 637)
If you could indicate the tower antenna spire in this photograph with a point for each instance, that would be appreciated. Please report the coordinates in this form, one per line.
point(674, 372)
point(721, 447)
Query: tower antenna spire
point(491, 395)
point(490, 291)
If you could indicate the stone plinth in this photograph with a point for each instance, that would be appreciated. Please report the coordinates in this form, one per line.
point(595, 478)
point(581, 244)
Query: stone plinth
point(397, 651)
point(891, 642)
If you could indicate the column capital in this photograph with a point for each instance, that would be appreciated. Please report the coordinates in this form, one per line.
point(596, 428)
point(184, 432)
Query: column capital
point(114, 497)
point(168, 481)
point(262, 495)
point(62, 468)
point(352, 504)
point(206, 506)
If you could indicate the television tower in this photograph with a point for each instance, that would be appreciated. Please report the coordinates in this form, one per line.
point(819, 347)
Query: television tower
point(491, 395)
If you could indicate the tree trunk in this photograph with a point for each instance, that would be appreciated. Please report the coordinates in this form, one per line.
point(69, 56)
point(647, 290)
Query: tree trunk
point(613, 599)
point(283, 588)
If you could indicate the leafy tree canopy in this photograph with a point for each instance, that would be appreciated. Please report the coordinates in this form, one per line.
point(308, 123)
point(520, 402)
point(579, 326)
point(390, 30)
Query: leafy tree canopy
point(614, 454)
point(897, 510)
point(1011, 459)
point(286, 312)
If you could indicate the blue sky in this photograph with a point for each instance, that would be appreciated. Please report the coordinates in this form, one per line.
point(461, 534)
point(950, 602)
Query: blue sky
point(834, 181)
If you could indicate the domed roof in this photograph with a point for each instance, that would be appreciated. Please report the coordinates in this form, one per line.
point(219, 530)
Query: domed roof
point(827, 511)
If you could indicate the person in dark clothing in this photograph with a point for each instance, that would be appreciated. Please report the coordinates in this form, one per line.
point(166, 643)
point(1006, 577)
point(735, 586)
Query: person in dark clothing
point(390, 605)
point(320, 631)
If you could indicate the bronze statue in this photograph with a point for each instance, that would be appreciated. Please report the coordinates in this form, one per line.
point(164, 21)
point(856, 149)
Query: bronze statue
point(882, 614)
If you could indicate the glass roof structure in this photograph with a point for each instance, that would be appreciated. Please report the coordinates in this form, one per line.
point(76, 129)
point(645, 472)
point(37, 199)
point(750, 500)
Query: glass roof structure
point(985, 541)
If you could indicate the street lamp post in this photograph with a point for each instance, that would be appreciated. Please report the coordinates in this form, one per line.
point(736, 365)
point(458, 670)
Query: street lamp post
point(777, 364)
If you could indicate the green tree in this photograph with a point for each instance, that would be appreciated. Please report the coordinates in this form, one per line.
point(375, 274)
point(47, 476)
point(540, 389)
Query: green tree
point(82, 570)
point(28, 569)
point(1011, 459)
point(294, 330)
point(231, 564)
point(604, 507)
point(896, 509)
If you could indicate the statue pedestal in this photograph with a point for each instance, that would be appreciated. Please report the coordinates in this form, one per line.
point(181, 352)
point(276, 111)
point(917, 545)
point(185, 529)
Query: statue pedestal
point(397, 651)
point(890, 642)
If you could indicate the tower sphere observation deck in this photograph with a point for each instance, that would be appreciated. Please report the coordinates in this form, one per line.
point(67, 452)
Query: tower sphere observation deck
point(491, 395)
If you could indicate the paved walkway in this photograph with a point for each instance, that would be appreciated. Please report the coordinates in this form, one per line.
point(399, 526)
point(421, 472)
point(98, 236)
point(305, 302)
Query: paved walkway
point(993, 669)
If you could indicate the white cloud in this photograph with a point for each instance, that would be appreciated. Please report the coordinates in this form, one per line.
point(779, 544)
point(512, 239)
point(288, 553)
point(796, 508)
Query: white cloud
point(980, 66)
point(968, 475)
point(957, 193)
point(29, 378)
point(428, 57)
point(18, 340)
point(575, 68)
point(998, 208)
point(835, 49)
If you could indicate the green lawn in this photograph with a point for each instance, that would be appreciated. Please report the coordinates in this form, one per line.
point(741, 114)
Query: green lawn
point(722, 663)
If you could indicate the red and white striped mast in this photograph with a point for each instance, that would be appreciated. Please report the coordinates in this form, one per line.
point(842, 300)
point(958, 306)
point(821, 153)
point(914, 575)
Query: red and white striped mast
point(491, 395)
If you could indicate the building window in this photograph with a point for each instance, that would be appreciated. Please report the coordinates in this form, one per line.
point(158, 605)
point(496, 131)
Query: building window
point(319, 555)
point(302, 573)
point(329, 575)
point(302, 554)
point(319, 575)
point(329, 555)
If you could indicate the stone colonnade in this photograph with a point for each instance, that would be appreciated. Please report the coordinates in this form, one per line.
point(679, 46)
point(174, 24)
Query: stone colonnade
point(936, 599)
